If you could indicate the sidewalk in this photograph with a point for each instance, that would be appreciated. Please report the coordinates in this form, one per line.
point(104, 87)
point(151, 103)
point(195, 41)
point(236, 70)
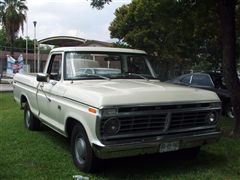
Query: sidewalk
point(6, 88)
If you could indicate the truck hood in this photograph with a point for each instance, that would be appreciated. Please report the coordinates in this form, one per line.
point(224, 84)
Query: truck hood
point(100, 93)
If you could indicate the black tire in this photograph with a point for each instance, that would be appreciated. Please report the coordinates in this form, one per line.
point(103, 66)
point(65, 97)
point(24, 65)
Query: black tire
point(229, 110)
point(82, 153)
point(30, 122)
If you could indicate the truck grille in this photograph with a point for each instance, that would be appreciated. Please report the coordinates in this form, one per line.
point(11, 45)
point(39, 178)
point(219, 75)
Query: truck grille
point(141, 123)
point(152, 121)
point(188, 120)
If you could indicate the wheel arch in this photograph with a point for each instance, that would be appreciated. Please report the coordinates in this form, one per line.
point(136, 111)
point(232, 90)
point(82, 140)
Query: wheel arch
point(70, 123)
point(23, 101)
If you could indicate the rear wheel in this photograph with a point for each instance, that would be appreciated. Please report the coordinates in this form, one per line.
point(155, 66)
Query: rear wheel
point(82, 153)
point(30, 122)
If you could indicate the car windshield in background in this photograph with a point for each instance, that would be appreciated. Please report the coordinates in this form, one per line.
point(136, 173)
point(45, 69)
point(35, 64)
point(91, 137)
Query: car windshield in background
point(90, 65)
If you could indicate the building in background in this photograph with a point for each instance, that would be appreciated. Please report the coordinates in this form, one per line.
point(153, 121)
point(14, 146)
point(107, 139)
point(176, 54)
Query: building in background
point(56, 41)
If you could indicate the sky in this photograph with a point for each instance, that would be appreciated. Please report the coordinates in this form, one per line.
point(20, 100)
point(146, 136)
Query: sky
point(70, 18)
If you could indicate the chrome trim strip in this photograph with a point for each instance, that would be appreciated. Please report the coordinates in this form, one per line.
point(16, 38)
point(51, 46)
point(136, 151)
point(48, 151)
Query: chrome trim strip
point(159, 112)
point(25, 84)
point(78, 102)
point(159, 133)
point(160, 104)
point(53, 127)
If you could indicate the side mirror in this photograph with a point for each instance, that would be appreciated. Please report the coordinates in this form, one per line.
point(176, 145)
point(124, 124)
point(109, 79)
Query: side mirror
point(42, 77)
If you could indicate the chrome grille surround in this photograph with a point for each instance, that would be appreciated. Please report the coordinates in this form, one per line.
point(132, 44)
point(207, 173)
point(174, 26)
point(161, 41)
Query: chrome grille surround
point(141, 122)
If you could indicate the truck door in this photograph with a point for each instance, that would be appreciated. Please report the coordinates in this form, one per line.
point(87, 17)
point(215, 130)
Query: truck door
point(50, 94)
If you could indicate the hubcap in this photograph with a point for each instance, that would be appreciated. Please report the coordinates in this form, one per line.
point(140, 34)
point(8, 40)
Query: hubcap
point(28, 115)
point(80, 150)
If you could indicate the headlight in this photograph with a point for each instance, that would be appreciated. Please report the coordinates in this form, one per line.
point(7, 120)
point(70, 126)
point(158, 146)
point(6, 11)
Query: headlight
point(211, 117)
point(111, 126)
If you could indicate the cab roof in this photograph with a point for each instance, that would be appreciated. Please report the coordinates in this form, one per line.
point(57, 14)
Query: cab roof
point(98, 49)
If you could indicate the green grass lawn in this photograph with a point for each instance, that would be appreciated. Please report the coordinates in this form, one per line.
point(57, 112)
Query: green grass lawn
point(46, 155)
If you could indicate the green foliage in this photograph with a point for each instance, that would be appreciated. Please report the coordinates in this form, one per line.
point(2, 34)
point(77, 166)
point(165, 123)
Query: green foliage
point(12, 15)
point(120, 44)
point(99, 4)
point(202, 66)
point(19, 43)
point(3, 38)
point(175, 31)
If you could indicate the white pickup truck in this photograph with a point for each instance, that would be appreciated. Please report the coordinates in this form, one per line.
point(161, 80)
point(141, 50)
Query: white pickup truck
point(110, 103)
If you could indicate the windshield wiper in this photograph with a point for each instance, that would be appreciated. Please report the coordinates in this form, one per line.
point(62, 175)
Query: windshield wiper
point(139, 75)
point(94, 75)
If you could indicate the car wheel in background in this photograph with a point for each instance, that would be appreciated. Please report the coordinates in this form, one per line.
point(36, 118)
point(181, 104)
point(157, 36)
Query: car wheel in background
point(82, 153)
point(30, 122)
point(229, 111)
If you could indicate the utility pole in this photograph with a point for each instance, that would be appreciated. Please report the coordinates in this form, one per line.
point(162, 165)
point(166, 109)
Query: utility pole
point(26, 57)
point(26, 50)
point(35, 43)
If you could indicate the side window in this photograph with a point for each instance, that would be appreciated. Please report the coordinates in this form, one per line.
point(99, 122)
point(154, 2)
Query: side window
point(54, 68)
point(186, 79)
point(202, 80)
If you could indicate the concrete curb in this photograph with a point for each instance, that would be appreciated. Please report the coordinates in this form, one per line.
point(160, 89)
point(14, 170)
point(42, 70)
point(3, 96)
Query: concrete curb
point(6, 88)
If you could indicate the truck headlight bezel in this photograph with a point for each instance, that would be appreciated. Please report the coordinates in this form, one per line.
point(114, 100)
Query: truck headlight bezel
point(111, 126)
point(211, 117)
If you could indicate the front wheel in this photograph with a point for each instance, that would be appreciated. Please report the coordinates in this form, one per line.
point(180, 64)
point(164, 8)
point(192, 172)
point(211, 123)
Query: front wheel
point(82, 153)
point(30, 122)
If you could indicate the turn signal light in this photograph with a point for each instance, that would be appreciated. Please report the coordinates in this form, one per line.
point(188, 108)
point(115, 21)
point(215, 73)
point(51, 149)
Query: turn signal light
point(92, 110)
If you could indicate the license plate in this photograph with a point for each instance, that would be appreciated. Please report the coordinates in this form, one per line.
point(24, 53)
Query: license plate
point(169, 146)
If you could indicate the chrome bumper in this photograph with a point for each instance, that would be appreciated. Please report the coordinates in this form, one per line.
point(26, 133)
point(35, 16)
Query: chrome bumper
point(147, 146)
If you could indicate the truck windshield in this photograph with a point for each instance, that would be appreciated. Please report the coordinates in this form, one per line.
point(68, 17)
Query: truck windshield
point(89, 65)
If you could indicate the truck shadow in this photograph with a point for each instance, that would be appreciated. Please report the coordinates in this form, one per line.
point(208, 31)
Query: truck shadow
point(167, 165)
point(55, 138)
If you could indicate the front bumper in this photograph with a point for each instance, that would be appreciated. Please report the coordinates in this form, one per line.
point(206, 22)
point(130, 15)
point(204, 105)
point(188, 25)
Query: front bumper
point(151, 146)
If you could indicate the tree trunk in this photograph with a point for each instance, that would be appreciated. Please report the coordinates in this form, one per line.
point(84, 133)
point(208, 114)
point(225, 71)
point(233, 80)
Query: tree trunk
point(11, 45)
point(227, 16)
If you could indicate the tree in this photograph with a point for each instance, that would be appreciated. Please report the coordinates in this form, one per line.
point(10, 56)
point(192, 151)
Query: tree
point(227, 17)
point(149, 25)
point(13, 15)
point(99, 4)
point(3, 39)
point(176, 31)
point(19, 45)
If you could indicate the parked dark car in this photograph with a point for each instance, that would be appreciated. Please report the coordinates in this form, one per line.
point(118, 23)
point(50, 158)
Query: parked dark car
point(209, 81)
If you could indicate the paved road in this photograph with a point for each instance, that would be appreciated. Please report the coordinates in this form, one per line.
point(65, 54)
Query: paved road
point(6, 88)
